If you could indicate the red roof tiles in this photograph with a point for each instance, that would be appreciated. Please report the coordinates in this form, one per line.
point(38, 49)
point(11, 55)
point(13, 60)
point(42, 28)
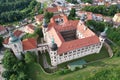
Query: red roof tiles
point(52, 9)
point(76, 44)
point(17, 33)
point(65, 46)
point(30, 43)
point(2, 28)
point(39, 17)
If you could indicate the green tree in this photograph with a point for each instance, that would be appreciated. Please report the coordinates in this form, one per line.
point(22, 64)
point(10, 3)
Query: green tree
point(9, 60)
point(72, 14)
point(47, 16)
point(13, 77)
point(29, 57)
point(22, 76)
point(7, 74)
point(87, 1)
point(39, 32)
point(19, 66)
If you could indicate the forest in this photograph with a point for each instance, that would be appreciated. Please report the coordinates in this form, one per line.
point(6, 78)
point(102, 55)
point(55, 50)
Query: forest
point(14, 10)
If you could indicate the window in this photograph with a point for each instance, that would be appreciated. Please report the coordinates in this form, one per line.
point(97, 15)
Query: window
point(65, 53)
point(15, 45)
point(60, 54)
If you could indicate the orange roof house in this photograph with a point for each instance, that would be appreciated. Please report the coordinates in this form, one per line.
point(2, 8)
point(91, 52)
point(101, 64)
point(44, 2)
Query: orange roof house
point(29, 29)
point(2, 30)
point(39, 18)
point(17, 33)
point(29, 44)
point(56, 9)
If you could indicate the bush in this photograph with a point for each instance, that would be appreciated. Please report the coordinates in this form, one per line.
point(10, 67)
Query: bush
point(64, 71)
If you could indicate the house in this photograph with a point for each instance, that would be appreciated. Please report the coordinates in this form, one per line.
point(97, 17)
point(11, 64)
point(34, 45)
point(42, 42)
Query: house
point(107, 19)
point(29, 29)
point(116, 20)
point(64, 40)
point(16, 33)
point(58, 9)
point(90, 15)
point(39, 18)
point(17, 46)
point(2, 30)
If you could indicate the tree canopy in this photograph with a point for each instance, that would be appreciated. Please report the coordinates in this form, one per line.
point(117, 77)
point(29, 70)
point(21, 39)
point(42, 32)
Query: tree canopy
point(47, 16)
point(14, 10)
point(9, 60)
point(16, 69)
point(102, 9)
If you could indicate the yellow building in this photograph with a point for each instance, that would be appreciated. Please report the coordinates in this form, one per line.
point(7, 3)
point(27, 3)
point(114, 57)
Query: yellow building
point(116, 18)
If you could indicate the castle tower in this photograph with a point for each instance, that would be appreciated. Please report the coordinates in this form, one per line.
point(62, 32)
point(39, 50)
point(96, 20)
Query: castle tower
point(44, 29)
point(53, 52)
point(103, 34)
point(16, 45)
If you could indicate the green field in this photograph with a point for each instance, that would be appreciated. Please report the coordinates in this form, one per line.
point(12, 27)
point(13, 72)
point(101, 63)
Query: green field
point(36, 72)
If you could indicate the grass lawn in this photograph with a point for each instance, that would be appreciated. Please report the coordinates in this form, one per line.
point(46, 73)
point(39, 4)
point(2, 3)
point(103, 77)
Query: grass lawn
point(36, 72)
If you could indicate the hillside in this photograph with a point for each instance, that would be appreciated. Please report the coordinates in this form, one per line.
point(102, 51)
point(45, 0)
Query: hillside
point(14, 10)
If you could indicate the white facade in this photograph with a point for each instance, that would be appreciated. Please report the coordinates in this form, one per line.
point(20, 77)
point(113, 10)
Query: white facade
point(64, 57)
point(74, 54)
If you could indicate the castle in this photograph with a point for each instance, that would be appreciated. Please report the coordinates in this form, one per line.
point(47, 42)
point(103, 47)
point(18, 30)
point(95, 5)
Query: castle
point(65, 40)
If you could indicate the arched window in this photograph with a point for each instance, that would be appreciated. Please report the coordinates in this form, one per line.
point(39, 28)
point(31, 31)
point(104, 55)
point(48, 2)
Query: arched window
point(15, 45)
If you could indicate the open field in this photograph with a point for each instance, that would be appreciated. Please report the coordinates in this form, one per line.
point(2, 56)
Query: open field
point(36, 72)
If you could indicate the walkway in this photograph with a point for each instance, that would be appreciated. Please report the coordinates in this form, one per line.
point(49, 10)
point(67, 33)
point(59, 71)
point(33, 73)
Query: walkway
point(45, 63)
point(109, 49)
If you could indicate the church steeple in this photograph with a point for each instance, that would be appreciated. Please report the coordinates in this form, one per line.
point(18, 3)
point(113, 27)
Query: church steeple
point(16, 45)
point(53, 45)
point(103, 34)
point(12, 38)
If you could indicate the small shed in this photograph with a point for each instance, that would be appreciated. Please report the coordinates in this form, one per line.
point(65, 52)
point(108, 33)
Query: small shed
point(80, 63)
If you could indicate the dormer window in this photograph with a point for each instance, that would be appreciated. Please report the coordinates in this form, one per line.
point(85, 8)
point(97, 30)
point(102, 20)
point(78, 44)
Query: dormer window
point(59, 21)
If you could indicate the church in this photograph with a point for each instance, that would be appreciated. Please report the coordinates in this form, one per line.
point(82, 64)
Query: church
point(64, 40)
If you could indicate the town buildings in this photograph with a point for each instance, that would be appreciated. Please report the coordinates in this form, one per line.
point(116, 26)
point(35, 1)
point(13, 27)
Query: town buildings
point(2, 30)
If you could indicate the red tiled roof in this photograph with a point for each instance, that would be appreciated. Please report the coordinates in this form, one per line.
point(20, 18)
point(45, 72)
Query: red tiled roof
point(55, 9)
point(39, 17)
point(6, 40)
point(2, 28)
point(89, 14)
point(30, 26)
point(52, 9)
point(100, 15)
point(76, 44)
point(30, 43)
point(64, 46)
point(17, 33)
